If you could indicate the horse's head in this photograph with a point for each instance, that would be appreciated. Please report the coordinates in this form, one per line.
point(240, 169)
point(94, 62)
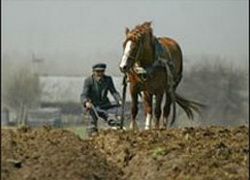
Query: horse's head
point(134, 44)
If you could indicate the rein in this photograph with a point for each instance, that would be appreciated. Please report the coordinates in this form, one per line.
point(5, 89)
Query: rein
point(139, 51)
point(124, 83)
point(137, 69)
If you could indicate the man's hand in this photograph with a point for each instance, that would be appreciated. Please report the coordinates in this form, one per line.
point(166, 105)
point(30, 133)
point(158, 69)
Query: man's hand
point(88, 105)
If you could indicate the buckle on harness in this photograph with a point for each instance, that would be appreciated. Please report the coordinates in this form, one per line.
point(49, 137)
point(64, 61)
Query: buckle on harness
point(143, 76)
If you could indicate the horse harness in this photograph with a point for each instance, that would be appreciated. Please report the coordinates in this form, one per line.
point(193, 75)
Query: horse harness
point(160, 60)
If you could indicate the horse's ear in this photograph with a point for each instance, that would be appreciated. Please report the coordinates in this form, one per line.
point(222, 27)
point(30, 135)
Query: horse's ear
point(149, 23)
point(126, 31)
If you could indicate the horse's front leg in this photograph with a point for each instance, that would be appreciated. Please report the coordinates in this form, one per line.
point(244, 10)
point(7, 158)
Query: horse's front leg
point(147, 100)
point(134, 107)
point(157, 109)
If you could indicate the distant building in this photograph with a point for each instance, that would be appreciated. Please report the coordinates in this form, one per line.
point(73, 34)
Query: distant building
point(44, 116)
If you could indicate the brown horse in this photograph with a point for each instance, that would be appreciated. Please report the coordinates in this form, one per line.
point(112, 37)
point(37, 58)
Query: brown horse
point(154, 67)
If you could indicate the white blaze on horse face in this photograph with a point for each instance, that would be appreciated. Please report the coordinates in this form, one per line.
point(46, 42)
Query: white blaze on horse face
point(148, 121)
point(126, 54)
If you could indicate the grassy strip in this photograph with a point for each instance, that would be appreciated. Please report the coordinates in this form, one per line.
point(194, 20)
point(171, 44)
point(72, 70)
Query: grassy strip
point(80, 131)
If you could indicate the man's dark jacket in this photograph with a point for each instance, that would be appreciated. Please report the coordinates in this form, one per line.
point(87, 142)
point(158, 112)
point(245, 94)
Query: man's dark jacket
point(96, 92)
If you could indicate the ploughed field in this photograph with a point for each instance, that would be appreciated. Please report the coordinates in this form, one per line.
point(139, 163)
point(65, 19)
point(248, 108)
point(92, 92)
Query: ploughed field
point(176, 153)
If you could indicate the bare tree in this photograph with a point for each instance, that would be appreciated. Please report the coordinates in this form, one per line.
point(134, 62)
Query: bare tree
point(22, 92)
point(222, 88)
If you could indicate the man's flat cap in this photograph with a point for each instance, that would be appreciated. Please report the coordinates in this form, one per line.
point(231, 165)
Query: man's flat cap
point(99, 66)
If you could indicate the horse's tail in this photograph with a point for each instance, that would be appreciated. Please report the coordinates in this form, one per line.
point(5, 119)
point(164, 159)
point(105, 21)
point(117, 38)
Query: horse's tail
point(189, 106)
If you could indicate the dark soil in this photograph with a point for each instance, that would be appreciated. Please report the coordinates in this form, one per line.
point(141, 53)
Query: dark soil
point(49, 154)
point(184, 153)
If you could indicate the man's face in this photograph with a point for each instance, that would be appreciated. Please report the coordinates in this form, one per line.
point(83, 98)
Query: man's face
point(99, 74)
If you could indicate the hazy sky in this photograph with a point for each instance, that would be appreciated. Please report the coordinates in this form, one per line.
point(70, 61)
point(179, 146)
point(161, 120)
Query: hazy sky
point(93, 29)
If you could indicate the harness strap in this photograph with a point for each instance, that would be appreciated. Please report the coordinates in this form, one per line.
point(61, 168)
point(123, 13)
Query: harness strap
point(171, 90)
point(170, 77)
point(139, 51)
point(159, 56)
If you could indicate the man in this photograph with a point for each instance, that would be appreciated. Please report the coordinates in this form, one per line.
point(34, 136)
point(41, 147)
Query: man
point(94, 96)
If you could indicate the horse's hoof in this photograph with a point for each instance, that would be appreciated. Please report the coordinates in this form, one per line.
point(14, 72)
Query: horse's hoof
point(134, 127)
point(156, 126)
point(165, 127)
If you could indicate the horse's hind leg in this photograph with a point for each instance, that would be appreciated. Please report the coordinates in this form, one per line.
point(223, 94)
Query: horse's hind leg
point(147, 100)
point(166, 110)
point(157, 110)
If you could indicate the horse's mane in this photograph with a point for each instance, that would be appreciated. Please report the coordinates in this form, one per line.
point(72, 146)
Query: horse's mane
point(140, 30)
